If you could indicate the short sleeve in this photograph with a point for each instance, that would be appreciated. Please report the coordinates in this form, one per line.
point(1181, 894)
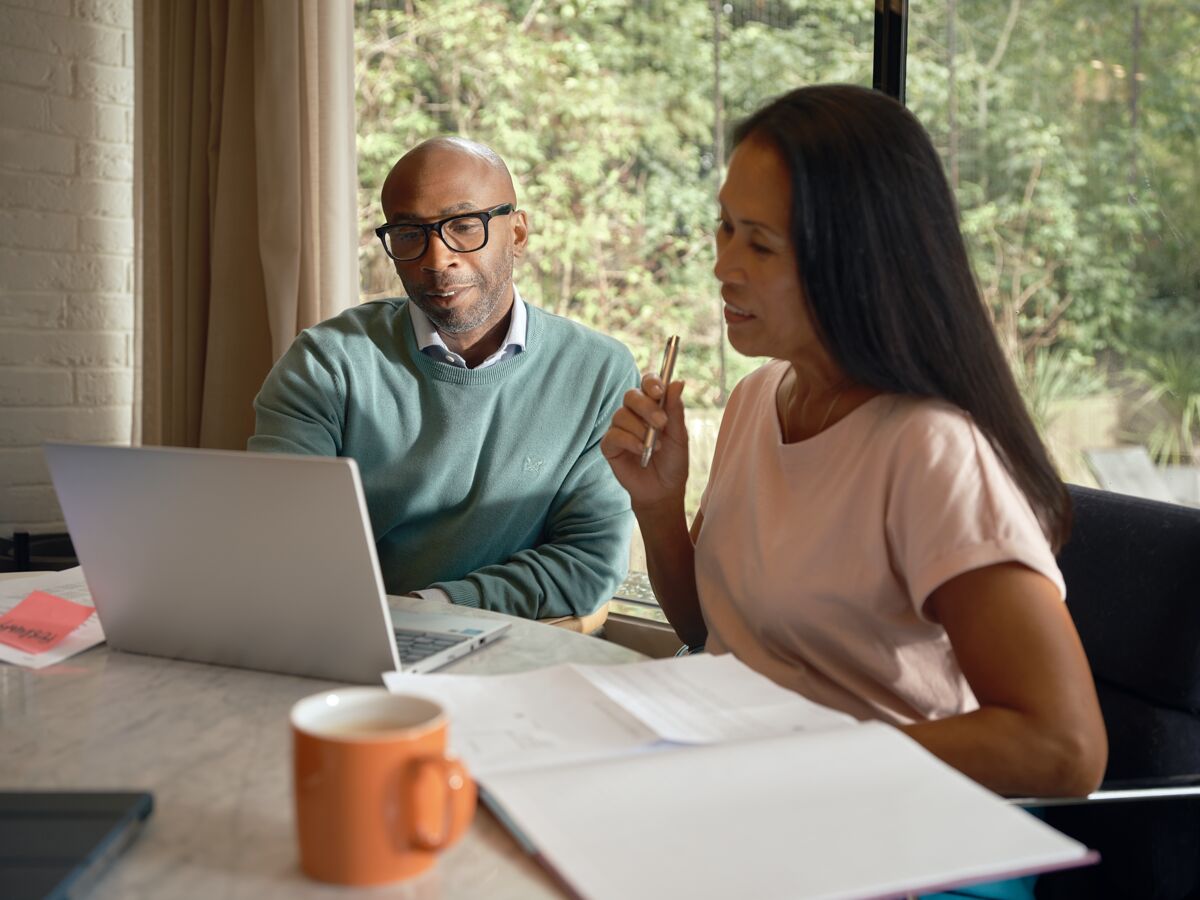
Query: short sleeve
point(953, 508)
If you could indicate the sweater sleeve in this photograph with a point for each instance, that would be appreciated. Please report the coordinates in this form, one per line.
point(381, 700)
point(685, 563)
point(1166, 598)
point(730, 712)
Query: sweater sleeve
point(301, 406)
point(585, 554)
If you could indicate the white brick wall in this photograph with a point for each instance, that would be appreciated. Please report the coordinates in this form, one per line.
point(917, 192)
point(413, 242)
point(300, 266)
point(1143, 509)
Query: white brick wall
point(66, 240)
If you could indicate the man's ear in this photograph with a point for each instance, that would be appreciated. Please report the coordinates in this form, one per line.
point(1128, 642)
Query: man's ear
point(520, 231)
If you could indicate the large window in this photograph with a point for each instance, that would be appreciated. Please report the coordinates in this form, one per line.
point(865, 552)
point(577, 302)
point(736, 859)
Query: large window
point(1069, 133)
point(610, 114)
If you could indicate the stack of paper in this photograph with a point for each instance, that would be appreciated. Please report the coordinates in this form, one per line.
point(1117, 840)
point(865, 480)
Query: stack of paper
point(46, 618)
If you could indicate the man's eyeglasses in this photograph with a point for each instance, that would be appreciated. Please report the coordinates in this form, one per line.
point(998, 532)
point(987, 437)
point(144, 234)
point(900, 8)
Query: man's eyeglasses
point(464, 233)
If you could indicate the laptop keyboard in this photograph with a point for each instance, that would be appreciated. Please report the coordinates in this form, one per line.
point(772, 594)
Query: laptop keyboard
point(416, 645)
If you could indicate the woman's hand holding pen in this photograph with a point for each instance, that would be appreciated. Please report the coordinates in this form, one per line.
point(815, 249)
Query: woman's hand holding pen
point(656, 493)
point(663, 479)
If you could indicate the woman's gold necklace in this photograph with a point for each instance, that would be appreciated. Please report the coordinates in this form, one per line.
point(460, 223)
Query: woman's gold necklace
point(804, 408)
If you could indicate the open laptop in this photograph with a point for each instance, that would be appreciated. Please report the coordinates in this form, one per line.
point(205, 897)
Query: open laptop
point(257, 560)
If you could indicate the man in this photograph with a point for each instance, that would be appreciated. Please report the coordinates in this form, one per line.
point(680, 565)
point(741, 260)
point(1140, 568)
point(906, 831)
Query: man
point(474, 418)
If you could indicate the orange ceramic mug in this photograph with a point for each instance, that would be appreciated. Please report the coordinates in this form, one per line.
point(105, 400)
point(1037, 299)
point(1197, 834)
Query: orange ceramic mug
point(376, 794)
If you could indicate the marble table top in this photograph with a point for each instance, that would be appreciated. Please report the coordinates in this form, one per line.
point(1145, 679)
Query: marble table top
point(213, 746)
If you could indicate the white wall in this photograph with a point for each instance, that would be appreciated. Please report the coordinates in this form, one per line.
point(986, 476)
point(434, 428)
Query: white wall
point(66, 240)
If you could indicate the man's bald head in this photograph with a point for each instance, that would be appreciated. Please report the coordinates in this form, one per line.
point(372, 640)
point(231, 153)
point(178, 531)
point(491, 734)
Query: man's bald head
point(454, 144)
point(476, 167)
point(467, 295)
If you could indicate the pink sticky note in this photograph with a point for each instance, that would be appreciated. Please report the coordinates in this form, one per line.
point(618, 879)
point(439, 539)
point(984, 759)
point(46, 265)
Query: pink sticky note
point(41, 621)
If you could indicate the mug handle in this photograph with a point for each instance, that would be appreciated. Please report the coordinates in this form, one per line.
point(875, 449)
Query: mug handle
point(459, 793)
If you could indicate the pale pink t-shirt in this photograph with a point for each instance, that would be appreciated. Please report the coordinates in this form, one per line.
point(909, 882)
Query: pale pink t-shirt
point(815, 559)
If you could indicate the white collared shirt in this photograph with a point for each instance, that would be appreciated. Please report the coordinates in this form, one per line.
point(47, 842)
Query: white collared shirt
point(432, 345)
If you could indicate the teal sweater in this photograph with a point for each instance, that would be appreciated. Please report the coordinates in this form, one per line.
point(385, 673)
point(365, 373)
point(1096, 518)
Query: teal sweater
point(486, 483)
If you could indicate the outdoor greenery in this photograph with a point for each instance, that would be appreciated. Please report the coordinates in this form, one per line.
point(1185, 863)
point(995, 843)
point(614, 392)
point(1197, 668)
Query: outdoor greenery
point(604, 111)
point(1173, 384)
point(1069, 133)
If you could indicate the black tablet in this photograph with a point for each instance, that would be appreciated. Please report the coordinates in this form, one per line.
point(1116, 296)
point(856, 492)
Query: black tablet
point(56, 844)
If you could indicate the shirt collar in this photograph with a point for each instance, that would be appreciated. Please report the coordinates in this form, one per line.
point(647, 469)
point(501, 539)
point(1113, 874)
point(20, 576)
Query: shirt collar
point(431, 343)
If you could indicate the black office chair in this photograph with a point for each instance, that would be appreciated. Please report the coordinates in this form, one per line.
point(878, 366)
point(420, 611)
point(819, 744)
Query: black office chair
point(1132, 569)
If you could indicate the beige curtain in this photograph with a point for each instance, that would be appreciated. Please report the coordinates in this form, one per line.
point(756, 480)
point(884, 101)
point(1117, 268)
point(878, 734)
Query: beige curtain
point(245, 202)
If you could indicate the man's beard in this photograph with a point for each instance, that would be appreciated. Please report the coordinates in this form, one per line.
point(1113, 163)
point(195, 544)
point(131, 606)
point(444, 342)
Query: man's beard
point(460, 321)
point(491, 286)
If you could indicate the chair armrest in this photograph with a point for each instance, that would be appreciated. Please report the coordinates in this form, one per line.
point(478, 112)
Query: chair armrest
point(1167, 788)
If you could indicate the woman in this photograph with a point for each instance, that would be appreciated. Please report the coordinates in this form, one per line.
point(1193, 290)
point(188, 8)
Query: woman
point(879, 527)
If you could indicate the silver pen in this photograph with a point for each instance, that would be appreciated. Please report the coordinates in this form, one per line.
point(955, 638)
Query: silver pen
point(664, 375)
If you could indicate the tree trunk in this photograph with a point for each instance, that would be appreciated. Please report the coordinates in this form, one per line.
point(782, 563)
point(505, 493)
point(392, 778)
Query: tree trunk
point(952, 90)
point(1134, 87)
point(719, 169)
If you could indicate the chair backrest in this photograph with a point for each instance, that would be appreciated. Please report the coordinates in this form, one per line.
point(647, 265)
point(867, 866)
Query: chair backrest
point(1132, 569)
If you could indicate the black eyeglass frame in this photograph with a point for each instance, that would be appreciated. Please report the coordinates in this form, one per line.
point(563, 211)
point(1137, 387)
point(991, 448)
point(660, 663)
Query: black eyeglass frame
point(484, 215)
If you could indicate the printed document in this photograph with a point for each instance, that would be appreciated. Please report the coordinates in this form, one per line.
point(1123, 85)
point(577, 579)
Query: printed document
point(570, 713)
point(69, 585)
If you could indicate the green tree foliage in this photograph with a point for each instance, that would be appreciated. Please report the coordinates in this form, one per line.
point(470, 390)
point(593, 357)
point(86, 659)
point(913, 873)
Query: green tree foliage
point(1173, 385)
point(1069, 132)
point(604, 111)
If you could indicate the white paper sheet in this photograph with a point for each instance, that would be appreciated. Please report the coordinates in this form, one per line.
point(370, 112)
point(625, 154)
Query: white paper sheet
point(705, 698)
point(530, 719)
point(569, 713)
point(68, 584)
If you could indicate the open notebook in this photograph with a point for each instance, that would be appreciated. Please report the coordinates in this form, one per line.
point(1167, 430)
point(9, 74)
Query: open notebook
point(257, 560)
point(700, 778)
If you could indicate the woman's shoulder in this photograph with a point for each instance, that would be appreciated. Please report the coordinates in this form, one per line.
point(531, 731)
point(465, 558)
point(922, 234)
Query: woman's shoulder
point(934, 445)
point(924, 421)
point(920, 440)
point(763, 380)
point(754, 394)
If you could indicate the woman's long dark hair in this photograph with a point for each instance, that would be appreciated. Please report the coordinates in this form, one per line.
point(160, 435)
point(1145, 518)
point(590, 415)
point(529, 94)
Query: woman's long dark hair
point(886, 274)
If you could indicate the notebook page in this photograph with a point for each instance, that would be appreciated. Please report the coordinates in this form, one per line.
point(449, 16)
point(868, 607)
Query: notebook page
point(845, 813)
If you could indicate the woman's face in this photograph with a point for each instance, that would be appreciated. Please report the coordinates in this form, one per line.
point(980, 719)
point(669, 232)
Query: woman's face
point(765, 309)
